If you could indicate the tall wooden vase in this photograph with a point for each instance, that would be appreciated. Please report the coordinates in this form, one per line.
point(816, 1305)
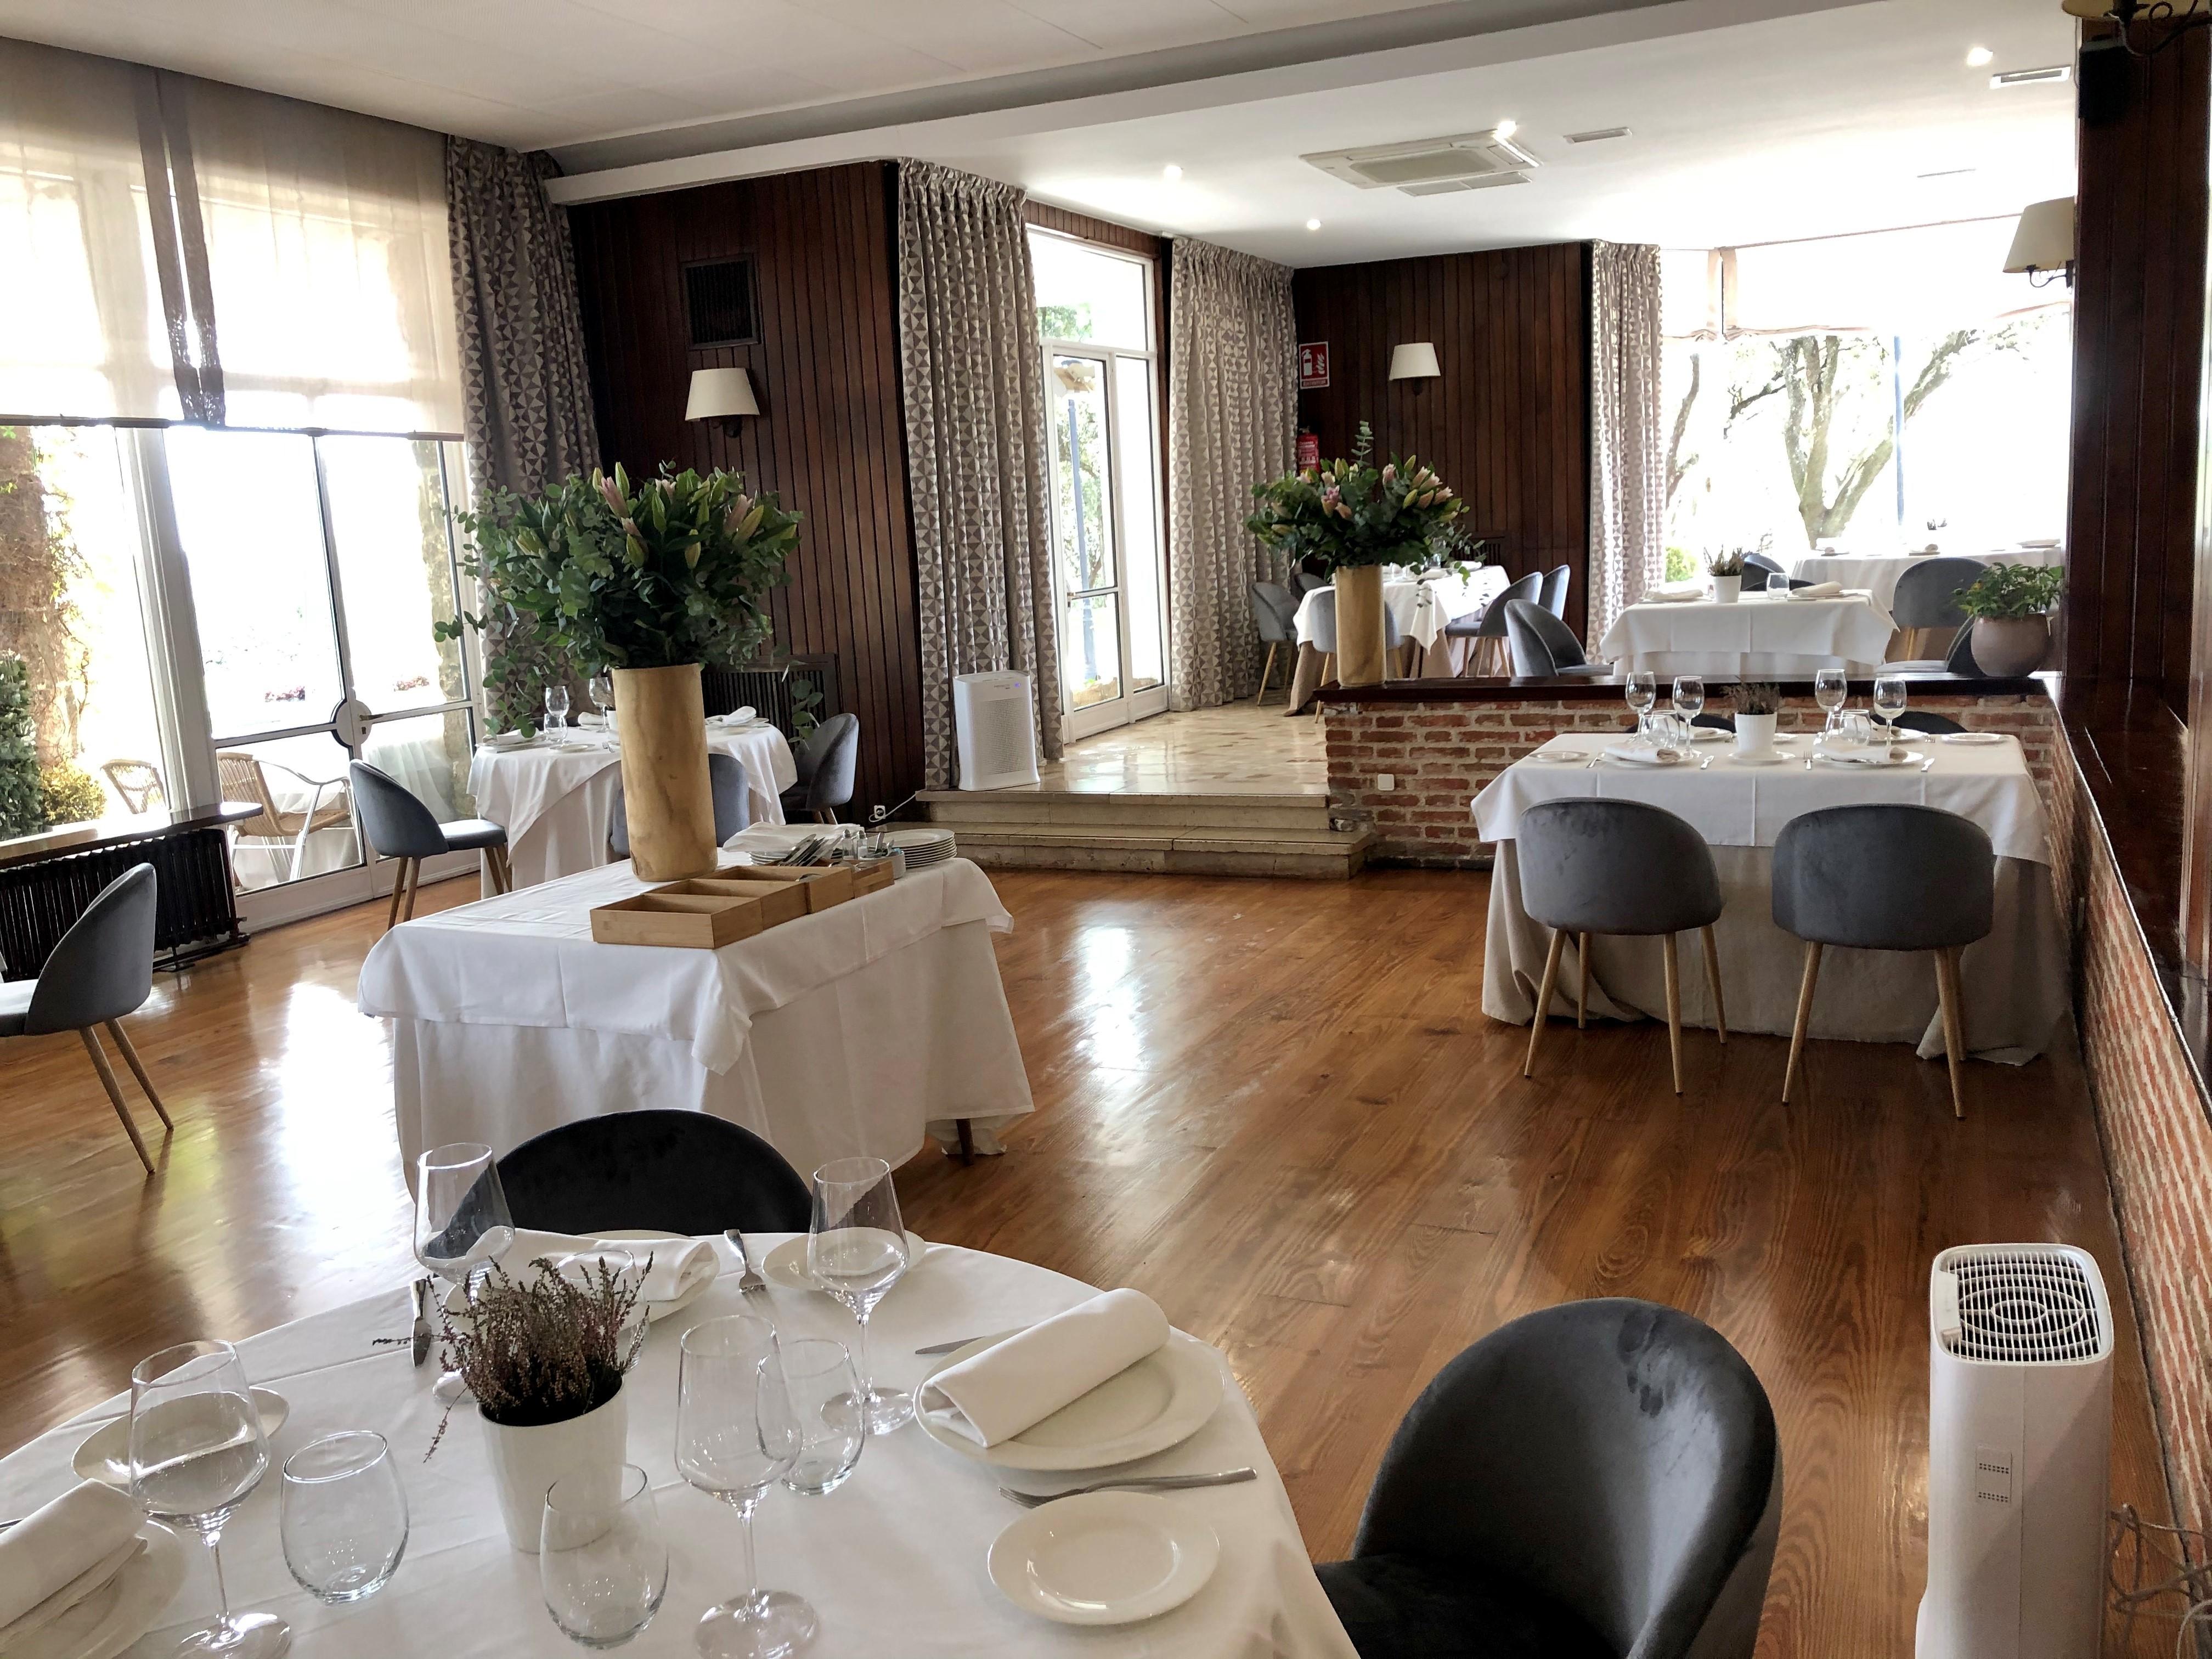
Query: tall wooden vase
point(662, 716)
point(1359, 625)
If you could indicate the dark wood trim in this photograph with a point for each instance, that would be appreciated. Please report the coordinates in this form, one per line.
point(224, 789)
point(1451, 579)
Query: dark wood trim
point(1104, 232)
point(1608, 690)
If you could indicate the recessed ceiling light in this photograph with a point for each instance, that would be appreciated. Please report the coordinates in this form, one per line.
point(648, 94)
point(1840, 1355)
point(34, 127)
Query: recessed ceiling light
point(1505, 129)
point(1171, 172)
point(1313, 224)
point(1978, 55)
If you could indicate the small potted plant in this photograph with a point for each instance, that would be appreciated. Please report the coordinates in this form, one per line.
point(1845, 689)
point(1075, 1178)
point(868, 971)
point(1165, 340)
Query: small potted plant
point(1758, 707)
point(2009, 607)
point(545, 1359)
point(1725, 566)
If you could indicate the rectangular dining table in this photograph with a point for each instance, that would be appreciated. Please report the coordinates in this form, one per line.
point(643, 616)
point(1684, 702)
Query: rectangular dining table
point(2014, 979)
point(1761, 636)
point(862, 1031)
point(1878, 572)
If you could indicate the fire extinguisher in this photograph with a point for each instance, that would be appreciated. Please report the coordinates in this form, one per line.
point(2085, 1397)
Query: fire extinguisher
point(1309, 450)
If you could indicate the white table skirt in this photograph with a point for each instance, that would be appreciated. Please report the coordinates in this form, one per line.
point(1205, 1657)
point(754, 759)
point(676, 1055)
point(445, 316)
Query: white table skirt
point(1755, 638)
point(1879, 574)
point(893, 1561)
point(1421, 609)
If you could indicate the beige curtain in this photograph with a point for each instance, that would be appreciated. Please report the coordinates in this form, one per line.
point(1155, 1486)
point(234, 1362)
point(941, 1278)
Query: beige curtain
point(976, 454)
point(1232, 423)
point(1627, 544)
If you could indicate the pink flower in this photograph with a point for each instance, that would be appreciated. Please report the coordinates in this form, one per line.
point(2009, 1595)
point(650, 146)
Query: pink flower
point(612, 495)
point(1389, 473)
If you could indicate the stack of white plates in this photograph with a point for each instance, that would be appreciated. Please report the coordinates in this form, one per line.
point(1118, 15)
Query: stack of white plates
point(923, 847)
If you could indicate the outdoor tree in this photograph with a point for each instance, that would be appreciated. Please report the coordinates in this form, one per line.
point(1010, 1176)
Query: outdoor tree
point(1678, 463)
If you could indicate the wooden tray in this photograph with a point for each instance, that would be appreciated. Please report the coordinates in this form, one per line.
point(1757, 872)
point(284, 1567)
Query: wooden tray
point(707, 912)
point(824, 884)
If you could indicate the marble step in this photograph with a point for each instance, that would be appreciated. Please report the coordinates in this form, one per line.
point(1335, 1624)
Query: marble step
point(1306, 852)
point(1227, 810)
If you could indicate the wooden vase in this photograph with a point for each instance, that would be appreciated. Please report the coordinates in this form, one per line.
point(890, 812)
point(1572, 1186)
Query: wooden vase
point(1359, 625)
point(661, 714)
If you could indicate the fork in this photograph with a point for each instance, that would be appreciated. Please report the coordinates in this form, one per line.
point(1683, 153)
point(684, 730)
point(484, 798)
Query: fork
point(1037, 1500)
point(748, 1280)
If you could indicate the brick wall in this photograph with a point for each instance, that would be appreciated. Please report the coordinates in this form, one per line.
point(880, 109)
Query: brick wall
point(1441, 753)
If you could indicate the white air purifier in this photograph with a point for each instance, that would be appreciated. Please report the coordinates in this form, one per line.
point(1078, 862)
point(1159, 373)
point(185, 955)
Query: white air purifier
point(2019, 1432)
point(993, 725)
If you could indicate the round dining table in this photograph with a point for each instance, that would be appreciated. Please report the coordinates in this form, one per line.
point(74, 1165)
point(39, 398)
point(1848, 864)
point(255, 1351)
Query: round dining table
point(893, 1560)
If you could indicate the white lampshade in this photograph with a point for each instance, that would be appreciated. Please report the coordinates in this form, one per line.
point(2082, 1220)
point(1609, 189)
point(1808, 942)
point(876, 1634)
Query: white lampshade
point(2044, 238)
point(1417, 362)
point(720, 394)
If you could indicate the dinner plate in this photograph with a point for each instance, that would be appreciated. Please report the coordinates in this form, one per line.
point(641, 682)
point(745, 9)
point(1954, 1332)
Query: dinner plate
point(1108, 1557)
point(1758, 757)
point(457, 1304)
point(787, 1263)
point(1972, 739)
point(133, 1602)
point(1560, 757)
point(1160, 1401)
point(105, 1456)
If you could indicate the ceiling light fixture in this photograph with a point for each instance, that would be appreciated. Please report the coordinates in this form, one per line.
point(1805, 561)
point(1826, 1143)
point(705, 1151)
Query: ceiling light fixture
point(1505, 130)
point(1313, 224)
point(1171, 172)
point(1979, 57)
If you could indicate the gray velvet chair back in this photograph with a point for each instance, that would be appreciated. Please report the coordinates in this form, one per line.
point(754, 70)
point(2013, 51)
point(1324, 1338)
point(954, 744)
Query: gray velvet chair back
point(1274, 612)
point(733, 804)
point(1615, 867)
point(1758, 571)
point(1542, 644)
point(827, 763)
point(400, 826)
point(1305, 581)
point(1927, 593)
point(103, 967)
point(1884, 875)
point(1617, 1456)
point(1960, 659)
point(1529, 588)
point(1920, 719)
point(686, 1173)
point(1556, 581)
point(1321, 622)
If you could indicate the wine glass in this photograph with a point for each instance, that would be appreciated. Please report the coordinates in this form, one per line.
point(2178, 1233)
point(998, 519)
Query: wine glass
point(1889, 700)
point(825, 1400)
point(737, 1436)
point(556, 707)
point(1641, 690)
point(343, 1519)
point(1689, 699)
point(602, 1562)
point(197, 1450)
point(601, 688)
point(1830, 691)
point(461, 1224)
point(856, 1250)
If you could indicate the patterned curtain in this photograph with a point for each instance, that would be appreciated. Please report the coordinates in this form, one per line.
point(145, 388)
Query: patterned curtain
point(1232, 423)
point(528, 395)
point(976, 448)
point(1627, 542)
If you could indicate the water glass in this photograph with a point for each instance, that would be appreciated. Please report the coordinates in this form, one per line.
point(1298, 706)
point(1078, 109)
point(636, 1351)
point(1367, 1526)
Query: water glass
point(1830, 691)
point(344, 1515)
point(1689, 697)
point(833, 1425)
point(556, 707)
point(856, 1250)
point(602, 1562)
point(1641, 690)
point(601, 688)
point(1889, 699)
point(461, 1222)
point(1853, 730)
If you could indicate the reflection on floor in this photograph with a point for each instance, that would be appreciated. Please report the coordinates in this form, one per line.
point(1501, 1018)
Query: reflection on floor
point(1235, 749)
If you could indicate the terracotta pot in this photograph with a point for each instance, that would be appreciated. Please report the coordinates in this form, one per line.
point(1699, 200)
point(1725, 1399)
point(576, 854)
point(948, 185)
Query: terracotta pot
point(1359, 625)
point(524, 1463)
point(662, 717)
point(2005, 647)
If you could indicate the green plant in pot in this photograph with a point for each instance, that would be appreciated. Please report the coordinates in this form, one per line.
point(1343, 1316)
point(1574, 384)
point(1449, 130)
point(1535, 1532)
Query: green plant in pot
point(2009, 607)
point(1725, 566)
point(650, 581)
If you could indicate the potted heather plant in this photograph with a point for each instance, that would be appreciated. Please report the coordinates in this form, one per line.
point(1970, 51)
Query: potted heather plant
point(2009, 608)
point(1725, 566)
point(1758, 710)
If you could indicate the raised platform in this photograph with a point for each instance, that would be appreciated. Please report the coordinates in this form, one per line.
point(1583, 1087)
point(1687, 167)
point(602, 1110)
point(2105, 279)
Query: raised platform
point(1232, 833)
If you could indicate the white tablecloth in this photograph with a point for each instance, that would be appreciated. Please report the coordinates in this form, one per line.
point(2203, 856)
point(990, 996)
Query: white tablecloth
point(893, 1560)
point(556, 802)
point(1879, 576)
point(2015, 979)
point(836, 1035)
point(1758, 637)
point(1421, 609)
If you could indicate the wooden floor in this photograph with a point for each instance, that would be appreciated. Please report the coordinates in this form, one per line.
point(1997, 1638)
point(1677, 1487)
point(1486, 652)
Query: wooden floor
point(1275, 1106)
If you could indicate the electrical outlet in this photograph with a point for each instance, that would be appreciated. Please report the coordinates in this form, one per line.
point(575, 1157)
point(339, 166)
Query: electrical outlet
point(1386, 781)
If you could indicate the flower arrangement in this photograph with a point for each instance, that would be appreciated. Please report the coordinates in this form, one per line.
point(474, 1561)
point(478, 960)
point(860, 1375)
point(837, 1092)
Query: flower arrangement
point(2008, 591)
point(1725, 561)
point(1350, 513)
point(548, 1350)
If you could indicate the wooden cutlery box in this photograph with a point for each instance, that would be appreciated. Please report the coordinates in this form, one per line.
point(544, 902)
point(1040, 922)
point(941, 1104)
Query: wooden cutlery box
point(707, 912)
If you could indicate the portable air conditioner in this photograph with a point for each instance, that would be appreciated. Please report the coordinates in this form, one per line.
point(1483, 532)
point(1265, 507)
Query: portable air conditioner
point(993, 719)
point(2019, 1431)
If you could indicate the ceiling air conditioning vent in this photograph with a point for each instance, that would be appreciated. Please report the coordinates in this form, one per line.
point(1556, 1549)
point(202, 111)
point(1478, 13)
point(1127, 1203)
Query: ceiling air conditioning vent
point(1597, 135)
point(2030, 77)
point(1456, 162)
point(1453, 186)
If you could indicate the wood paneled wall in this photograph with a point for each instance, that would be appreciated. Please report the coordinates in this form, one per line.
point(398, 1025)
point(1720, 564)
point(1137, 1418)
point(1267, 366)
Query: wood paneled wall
point(1508, 423)
point(830, 439)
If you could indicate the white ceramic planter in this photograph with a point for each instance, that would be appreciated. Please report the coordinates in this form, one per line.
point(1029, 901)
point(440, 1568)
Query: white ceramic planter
point(1728, 589)
point(1755, 733)
point(525, 1462)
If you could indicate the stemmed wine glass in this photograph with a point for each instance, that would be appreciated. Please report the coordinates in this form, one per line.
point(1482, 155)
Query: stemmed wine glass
point(736, 1435)
point(1642, 690)
point(601, 688)
point(461, 1222)
point(1689, 699)
point(197, 1450)
point(1889, 700)
point(1830, 691)
point(856, 1250)
point(556, 707)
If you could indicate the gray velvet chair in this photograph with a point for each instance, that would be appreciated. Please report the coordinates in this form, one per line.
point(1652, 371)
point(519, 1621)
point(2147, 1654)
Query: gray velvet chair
point(826, 769)
point(1556, 583)
point(1959, 659)
point(685, 1173)
point(1884, 875)
point(1598, 1479)
point(1618, 867)
point(1920, 719)
point(1758, 571)
point(100, 970)
point(1928, 595)
point(1274, 613)
point(1304, 581)
point(1486, 627)
point(1544, 648)
point(400, 827)
point(733, 803)
point(1321, 623)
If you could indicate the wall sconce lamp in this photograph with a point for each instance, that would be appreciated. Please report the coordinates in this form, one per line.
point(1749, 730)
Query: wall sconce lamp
point(720, 394)
point(2043, 245)
point(1416, 362)
point(2126, 12)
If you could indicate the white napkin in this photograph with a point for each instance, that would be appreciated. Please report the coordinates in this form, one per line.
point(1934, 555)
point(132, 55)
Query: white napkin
point(745, 716)
point(1674, 593)
point(58, 1555)
point(1818, 591)
point(678, 1264)
point(1643, 754)
point(1022, 1381)
point(1876, 754)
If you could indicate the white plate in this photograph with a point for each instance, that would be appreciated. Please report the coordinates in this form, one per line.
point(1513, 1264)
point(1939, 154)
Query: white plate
point(1972, 739)
point(1760, 757)
point(457, 1305)
point(1160, 1401)
point(135, 1600)
point(787, 1263)
point(105, 1456)
point(1560, 757)
point(1109, 1558)
point(1710, 734)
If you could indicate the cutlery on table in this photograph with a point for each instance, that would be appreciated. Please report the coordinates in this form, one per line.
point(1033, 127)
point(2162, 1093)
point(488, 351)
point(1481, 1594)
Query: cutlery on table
point(419, 1342)
point(1036, 1500)
point(957, 1343)
point(748, 1280)
point(1706, 764)
point(1927, 762)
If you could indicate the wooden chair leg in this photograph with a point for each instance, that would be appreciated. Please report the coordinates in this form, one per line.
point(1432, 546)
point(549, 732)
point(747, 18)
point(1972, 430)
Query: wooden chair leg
point(1953, 997)
point(398, 892)
point(1673, 1008)
point(414, 886)
point(1713, 980)
point(1328, 667)
point(1543, 1001)
point(114, 1093)
point(1804, 1016)
point(502, 873)
point(138, 1070)
point(967, 1130)
point(1266, 669)
point(1581, 991)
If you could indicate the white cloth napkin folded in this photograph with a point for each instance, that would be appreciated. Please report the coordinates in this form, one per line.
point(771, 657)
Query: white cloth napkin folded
point(678, 1264)
point(1675, 593)
point(1874, 754)
point(745, 716)
point(57, 1556)
point(1818, 591)
point(1643, 754)
point(1020, 1382)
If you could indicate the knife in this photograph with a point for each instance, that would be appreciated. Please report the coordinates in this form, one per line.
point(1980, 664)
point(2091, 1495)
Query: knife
point(420, 1345)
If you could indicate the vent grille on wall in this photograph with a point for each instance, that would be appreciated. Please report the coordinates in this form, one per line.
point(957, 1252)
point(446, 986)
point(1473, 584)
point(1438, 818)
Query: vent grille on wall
point(1452, 186)
point(717, 298)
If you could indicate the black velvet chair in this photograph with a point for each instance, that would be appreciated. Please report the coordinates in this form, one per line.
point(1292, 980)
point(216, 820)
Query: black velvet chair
point(1919, 720)
point(1884, 876)
point(1759, 570)
point(733, 803)
point(1599, 1481)
point(1544, 648)
point(1618, 867)
point(688, 1173)
point(826, 766)
point(400, 826)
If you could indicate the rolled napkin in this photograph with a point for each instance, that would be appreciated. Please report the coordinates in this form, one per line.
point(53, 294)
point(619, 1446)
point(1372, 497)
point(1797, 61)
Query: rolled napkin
point(58, 1555)
point(1818, 591)
point(1020, 1382)
point(678, 1264)
point(1640, 754)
